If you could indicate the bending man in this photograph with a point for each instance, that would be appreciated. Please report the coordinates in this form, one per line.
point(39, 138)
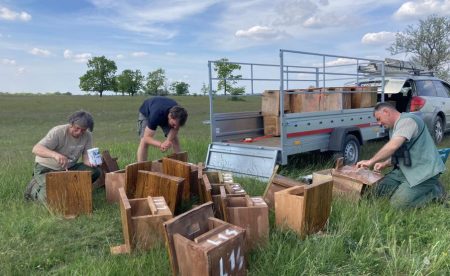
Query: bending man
point(417, 164)
point(60, 150)
point(162, 112)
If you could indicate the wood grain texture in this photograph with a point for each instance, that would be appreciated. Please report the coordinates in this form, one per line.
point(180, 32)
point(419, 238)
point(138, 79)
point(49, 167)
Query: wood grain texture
point(142, 221)
point(159, 184)
point(131, 175)
point(180, 156)
point(308, 102)
point(69, 192)
point(219, 251)
point(278, 183)
point(250, 213)
point(109, 164)
point(272, 125)
point(127, 226)
point(304, 209)
point(330, 100)
point(352, 182)
point(114, 181)
point(180, 169)
point(190, 225)
point(270, 103)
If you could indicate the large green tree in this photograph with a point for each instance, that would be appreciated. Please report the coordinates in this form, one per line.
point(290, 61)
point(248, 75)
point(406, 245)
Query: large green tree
point(428, 42)
point(100, 75)
point(130, 82)
point(156, 81)
point(228, 80)
point(179, 88)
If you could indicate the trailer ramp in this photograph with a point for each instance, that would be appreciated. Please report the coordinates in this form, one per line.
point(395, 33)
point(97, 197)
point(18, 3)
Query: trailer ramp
point(242, 160)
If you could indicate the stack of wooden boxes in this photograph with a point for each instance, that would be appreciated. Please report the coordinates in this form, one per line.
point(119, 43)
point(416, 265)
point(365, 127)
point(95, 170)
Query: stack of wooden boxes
point(313, 100)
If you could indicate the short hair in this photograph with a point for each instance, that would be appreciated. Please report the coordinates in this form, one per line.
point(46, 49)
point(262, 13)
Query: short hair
point(379, 106)
point(178, 113)
point(83, 119)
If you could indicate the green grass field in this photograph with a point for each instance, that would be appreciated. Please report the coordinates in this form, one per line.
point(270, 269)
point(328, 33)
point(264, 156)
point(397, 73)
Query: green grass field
point(361, 238)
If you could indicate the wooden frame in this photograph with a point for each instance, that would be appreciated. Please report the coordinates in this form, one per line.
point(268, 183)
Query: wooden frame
point(69, 192)
point(304, 209)
point(142, 221)
point(200, 244)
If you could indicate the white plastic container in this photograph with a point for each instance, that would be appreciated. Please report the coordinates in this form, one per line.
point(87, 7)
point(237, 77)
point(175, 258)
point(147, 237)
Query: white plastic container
point(94, 156)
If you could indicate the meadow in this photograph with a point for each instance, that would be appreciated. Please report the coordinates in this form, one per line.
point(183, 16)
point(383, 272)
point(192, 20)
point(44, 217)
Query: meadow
point(364, 238)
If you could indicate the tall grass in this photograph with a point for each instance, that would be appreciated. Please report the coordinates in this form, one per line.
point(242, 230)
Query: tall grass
point(367, 237)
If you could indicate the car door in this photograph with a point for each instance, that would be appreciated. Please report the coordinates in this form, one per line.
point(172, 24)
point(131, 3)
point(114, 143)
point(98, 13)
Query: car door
point(443, 92)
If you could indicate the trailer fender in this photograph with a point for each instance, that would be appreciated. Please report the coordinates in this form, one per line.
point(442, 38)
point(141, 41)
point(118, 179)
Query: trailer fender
point(338, 135)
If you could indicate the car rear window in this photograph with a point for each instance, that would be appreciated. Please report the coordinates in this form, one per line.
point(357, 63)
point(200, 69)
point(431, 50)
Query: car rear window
point(426, 88)
point(441, 90)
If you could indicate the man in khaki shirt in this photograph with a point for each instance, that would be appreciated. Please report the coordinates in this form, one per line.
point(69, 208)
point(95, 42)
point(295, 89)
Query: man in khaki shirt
point(60, 150)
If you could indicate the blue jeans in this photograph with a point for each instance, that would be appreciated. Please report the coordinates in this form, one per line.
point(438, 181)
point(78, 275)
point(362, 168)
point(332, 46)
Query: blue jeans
point(395, 187)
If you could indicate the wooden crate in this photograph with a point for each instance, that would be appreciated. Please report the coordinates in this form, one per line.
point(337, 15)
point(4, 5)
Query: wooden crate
point(307, 102)
point(179, 169)
point(131, 175)
point(159, 184)
point(157, 164)
point(270, 103)
point(109, 164)
point(272, 125)
point(200, 244)
point(250, 213)
point(69, 192)
point(114, 181)
point(278, 183)
point(142, 221)
point(304, 209)
point(353, 182)
point(332, 98)
point(366, 98)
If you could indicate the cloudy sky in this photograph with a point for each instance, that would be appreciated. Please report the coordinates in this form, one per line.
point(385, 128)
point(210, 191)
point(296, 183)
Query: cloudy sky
point(45, 44)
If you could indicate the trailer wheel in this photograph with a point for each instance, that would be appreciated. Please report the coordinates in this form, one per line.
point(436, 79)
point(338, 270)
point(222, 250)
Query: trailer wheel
point(350, 150)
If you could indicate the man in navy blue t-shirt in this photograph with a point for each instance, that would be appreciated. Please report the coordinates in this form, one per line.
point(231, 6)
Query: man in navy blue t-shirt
point(162, 112)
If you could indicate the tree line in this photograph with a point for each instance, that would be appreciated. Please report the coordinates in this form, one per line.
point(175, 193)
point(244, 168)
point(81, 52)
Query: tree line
point(101, 76)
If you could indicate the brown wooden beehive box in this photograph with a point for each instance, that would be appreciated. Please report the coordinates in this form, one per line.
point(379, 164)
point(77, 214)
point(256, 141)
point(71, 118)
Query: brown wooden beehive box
point(270, 103)
point(142, 220)
point(304, 209)
point(159, 184)
point(200, 244)
point(69, 192)
point(250, 213)
point(278, 183)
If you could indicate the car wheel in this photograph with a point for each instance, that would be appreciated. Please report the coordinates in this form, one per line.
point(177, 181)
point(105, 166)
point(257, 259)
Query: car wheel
point(350, 150)
point(438, 130)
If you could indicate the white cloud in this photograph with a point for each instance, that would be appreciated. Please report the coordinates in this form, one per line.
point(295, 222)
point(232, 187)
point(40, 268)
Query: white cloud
point(412, 9)
point(258, 32)
point(7, 61)
point(340, 61)
point(20, 70)
point(378, 38)
point(149, 17)
point(120, 56)
point(78, 58)
point(40, 52)
point(7, 14)
point(68, 54)
point(139, 54)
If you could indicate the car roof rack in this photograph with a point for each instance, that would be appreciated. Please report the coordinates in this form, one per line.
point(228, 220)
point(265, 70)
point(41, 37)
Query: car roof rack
point(394, 67)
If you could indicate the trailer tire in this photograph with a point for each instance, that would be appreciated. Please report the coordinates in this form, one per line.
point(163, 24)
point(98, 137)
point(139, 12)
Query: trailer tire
point(350, 150)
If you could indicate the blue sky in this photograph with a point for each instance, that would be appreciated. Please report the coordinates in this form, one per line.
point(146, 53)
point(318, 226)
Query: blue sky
point(45, 44)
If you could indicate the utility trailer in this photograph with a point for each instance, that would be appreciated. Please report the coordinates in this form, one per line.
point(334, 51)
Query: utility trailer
point(238, 143)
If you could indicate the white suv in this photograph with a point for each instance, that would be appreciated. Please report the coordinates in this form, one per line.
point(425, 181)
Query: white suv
point(425, 96)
